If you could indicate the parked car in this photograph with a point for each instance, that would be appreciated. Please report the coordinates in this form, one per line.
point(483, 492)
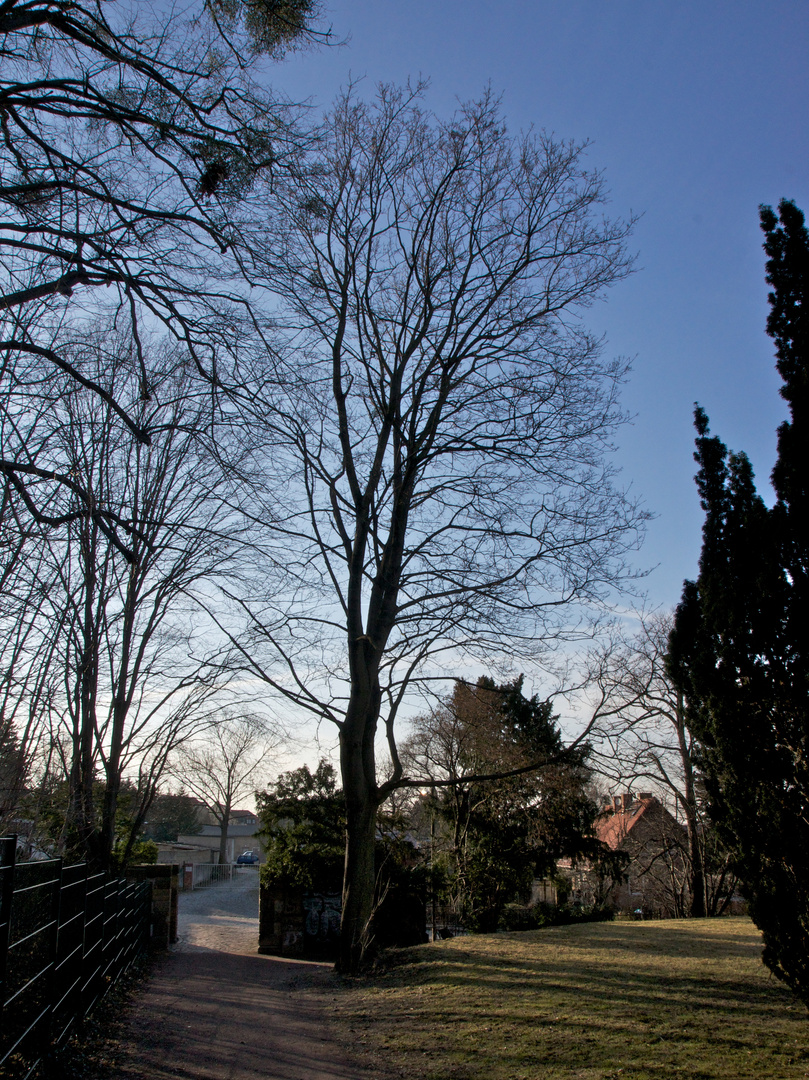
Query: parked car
point(247, 858)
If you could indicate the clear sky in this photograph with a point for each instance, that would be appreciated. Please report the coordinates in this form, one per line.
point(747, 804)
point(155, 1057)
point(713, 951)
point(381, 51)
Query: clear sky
point(697, 113)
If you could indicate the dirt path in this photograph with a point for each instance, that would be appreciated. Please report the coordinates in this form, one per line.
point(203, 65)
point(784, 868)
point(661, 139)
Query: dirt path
point(216, 1009)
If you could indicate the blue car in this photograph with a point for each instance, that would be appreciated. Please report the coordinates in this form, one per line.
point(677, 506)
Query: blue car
point(247, 858)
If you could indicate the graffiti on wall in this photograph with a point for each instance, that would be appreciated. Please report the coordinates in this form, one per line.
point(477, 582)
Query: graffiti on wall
point(322, 917)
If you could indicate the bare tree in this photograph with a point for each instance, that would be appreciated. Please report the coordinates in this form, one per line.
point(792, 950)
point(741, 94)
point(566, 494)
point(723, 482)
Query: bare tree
point(645, 737)
point(26, 650)
point(121, 122)
point(438, 485)
point(226, 764)
point(128, 131)
point(115, 643)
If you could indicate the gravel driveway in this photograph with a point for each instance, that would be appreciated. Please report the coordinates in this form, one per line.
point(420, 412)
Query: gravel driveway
point(216, 1010)
point(222, 917)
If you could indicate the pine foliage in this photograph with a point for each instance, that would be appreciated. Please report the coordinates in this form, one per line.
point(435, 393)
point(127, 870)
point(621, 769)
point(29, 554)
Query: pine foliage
point(740, 643)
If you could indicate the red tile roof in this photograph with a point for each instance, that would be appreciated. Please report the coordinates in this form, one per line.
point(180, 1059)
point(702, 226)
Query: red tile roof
point(613, 827)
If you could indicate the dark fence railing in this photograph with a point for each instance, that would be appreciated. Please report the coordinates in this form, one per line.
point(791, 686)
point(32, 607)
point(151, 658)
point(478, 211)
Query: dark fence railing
point(65, 937)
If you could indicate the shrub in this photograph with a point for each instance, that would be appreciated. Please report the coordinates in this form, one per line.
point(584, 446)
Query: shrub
point(535, 916)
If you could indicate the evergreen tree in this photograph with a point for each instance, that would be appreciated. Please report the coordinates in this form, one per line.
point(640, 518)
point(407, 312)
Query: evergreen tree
point(739, 647)
point(514, 799)
point(303, 829)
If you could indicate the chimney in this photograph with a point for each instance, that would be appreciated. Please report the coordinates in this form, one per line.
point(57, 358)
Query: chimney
point(627, 799)
point(645, 796)
point(616, 803)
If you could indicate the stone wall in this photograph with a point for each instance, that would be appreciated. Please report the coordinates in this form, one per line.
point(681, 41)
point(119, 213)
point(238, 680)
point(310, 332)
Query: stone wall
point(292, 922)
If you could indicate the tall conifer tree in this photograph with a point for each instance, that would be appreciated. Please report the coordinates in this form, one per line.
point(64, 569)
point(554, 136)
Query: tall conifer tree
point(740, 644)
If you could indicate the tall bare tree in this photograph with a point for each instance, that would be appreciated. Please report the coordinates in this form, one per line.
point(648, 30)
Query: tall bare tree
point(125, 679)
point(228, 762)
point(439, 417)
point(128, 132)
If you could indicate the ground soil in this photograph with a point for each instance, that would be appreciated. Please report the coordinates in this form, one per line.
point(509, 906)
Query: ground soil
point(213, 1008)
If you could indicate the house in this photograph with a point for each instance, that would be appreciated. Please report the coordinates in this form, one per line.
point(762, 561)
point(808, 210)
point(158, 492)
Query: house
point(203, 846)
point(240, 838)
point(657, 846)
point(655, 881)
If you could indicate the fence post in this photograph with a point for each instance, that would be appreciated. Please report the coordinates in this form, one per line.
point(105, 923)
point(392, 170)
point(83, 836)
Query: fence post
point(93, 940)
point(8, 855)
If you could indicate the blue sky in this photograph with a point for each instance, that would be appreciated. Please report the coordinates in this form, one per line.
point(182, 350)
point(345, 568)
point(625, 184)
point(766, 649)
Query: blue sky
point(697, 113)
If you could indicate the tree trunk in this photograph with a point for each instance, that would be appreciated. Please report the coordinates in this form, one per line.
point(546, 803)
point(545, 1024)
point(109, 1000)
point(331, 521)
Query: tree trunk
point(696, 869)
point(223, 834)
point(358, 768)
point(83, 842)
point(106, 834)
point(120, 710)
point(358, 886)
point(697, 882)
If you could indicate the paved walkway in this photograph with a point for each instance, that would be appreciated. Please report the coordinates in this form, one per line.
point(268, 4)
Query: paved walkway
point(216, 1009)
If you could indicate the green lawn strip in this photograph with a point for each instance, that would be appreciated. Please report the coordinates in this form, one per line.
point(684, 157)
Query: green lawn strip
point(639, 1001)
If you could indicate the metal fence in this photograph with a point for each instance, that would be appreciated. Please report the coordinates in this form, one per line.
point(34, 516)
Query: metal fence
point(211, 874)
point(65, 937)
point(205, 874)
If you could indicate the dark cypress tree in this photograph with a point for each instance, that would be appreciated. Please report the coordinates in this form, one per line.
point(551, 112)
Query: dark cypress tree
point(738, 649)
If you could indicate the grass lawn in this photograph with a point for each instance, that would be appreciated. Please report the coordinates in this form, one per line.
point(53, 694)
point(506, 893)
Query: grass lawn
point(634, 1000)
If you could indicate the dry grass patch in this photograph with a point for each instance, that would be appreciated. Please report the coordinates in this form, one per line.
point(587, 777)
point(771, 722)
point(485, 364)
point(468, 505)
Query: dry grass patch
point(635, 1001)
